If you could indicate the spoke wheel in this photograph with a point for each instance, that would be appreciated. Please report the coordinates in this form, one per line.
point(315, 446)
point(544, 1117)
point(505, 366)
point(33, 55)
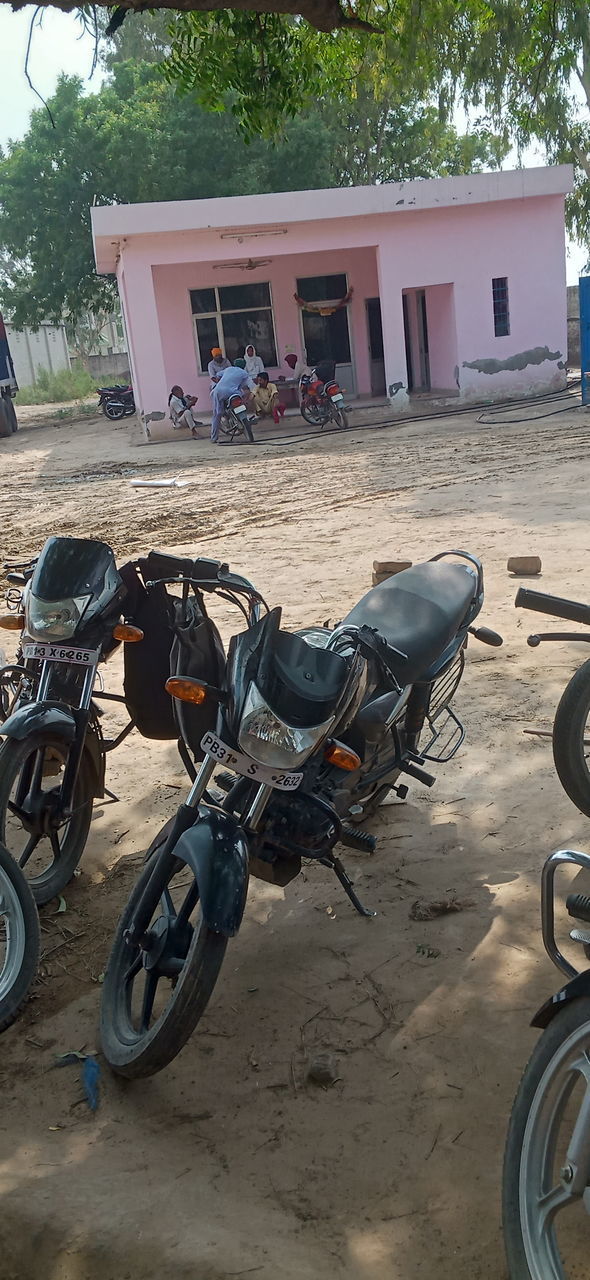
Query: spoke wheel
point(547, 1160)
point(161, 972)
point(31, 774)
point(19, 939)
point(571, 739)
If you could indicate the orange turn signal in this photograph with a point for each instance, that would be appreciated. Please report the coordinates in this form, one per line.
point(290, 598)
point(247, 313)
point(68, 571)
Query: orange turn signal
point(342, 757)
point(12, 621)
point(185, 689)
point(123, 631)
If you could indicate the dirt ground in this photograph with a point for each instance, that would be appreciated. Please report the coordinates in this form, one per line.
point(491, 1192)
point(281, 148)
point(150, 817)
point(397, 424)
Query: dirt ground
point(230, 1162)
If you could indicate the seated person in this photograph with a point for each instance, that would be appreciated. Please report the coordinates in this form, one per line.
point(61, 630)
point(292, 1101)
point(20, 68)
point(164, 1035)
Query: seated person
point(254, 364)
point(216, 366)
point(233, 381)
point(296, 366)
point(266, 399)
point(181, 410)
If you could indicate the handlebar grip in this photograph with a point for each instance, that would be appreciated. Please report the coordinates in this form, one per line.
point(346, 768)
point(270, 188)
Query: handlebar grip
point(555, 606)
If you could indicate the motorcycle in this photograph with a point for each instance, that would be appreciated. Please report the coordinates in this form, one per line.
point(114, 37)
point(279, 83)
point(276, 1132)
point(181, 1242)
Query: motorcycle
point(20, 937)
point(547, 1156)
point(236, 420)
point(116, 402)
point(571, 730)
point(320, 397)
point(310, 730)
point(52, 759)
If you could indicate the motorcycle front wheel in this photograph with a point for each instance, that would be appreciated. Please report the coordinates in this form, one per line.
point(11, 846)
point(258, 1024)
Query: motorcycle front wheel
point(548, 1138)
point(19, 939)
point(571, 739)
point(33, 769)
point(113, 410)
point(157, 986)
point(310, 414)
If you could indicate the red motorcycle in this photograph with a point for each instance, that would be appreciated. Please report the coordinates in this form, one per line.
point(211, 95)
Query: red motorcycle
point(320, 397)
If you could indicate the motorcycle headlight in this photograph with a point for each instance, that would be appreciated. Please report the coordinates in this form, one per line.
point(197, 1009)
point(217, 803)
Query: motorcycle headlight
point(53, 619)
point(269, 740)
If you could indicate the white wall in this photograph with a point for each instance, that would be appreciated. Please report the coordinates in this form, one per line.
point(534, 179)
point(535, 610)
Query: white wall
point(45, 349)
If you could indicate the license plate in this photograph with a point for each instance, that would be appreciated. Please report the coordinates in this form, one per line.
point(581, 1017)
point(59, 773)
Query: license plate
point(214, 747)
point(62, 653)
point(339, 396)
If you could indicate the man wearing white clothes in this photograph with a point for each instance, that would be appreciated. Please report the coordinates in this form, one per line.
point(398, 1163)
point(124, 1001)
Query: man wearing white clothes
point(232, 382)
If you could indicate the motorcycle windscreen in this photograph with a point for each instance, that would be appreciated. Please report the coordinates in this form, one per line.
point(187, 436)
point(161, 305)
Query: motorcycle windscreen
point(301, 683)
point(73, 567)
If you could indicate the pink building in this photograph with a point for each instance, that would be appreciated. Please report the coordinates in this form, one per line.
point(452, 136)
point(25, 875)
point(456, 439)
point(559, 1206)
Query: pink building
point(451, 286)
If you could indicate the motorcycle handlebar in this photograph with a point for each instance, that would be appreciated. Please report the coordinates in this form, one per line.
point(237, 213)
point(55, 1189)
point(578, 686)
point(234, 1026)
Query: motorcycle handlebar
point(555, 606)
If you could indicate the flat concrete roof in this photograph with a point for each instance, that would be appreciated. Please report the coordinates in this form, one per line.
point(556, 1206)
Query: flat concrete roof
point(111, 223)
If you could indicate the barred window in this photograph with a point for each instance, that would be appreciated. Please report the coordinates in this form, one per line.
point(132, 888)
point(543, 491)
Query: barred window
point(501, 310)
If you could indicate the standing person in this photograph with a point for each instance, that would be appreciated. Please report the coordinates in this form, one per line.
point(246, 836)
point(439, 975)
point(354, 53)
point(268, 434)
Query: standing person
point(233, 380)
point(216, 366)
point(181, 410)
point(266, 399)
point(254, 364)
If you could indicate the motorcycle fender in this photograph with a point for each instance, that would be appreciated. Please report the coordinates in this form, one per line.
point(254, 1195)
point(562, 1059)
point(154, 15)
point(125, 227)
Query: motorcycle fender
point(216, 850)
point(579, 986)
point(26, 721)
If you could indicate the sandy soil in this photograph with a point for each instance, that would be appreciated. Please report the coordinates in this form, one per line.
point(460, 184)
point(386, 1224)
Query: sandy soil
point(230, 1163)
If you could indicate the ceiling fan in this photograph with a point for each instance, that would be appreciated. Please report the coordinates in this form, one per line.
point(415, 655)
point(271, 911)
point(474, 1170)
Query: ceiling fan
point(249, 265)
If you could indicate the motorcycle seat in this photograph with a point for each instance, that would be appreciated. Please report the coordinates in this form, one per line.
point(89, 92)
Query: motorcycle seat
point(418, 611)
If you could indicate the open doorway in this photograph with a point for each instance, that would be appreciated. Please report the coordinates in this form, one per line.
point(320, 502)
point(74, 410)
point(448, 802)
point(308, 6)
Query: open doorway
point(327, 337)
point(416, 339)
point(376, 357)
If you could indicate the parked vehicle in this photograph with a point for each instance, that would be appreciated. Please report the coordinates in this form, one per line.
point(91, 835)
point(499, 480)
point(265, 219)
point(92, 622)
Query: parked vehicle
point(116, 402)
point(19, 939)
point(571, 726)
point(236, 420)
point(547, 1158)
point(312, 729)
point(320, 398)
point(8, 387)
point(52, 760)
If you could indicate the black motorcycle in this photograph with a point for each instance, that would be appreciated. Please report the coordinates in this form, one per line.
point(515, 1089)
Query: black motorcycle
point(547, 1158)
point(309, 730)
point(116, 402)
point(52, 760)
point(571, 728)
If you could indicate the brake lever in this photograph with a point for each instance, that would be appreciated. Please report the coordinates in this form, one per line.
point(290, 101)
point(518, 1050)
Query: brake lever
point(538, 638)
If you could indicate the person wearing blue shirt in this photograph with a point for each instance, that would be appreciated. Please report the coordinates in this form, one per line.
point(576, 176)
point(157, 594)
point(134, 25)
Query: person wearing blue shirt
point(232, 381)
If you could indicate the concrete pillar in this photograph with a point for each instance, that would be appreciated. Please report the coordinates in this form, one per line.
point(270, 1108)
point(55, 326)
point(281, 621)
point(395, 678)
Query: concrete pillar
point(392, 319)
point(138, 301)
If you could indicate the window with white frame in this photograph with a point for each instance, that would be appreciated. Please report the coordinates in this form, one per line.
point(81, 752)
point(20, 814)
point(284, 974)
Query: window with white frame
point(233, 317)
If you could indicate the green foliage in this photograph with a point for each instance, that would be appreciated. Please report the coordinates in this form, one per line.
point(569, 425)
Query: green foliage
point(52, 388)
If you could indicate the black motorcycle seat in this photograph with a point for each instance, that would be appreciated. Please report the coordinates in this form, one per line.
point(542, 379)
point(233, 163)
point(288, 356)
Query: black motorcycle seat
point(418, 611)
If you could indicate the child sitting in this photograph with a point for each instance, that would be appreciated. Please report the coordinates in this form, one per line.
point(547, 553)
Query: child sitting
point(266, 399)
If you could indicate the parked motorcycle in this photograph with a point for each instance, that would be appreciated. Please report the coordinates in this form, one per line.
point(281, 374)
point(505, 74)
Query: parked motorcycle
point(236, 420)
point(19, 939)
point(52, 760)
point(116, 402)
point(571, 728)
point(547, 1158)
point(311, 729)
point(320, 397)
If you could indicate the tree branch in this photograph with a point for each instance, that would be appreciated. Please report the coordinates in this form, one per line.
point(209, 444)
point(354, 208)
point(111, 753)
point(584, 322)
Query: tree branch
point(324, 15)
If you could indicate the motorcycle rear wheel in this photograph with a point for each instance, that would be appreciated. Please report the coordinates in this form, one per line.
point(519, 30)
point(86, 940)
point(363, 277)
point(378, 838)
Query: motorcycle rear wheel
point(341, 418)
point(182, 952)
point(536, 1155)
point(113, 411)
point(19, 939)
point(48, 862)
point(571, 730)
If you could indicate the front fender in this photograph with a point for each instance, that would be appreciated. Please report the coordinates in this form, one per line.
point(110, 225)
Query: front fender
point(216, 850)
point(579, 986)
point(26, 721)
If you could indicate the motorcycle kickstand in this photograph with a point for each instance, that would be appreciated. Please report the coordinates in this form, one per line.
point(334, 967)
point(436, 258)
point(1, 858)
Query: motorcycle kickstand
point(111, 795)
point(342, 875)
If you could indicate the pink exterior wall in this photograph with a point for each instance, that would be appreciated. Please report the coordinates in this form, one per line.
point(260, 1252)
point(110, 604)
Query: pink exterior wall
point(172, 284)
point(462, 245)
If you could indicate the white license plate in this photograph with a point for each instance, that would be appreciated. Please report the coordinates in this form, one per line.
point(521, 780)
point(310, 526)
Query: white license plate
point(62, 653)
point(214, 747)
point(337, 397)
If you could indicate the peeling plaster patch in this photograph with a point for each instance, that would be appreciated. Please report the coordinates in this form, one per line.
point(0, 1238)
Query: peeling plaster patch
point(456, 373)
point(394, 388)
point(536, 355)
point(400, 202)
point(153, 417)
point(561, 364)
